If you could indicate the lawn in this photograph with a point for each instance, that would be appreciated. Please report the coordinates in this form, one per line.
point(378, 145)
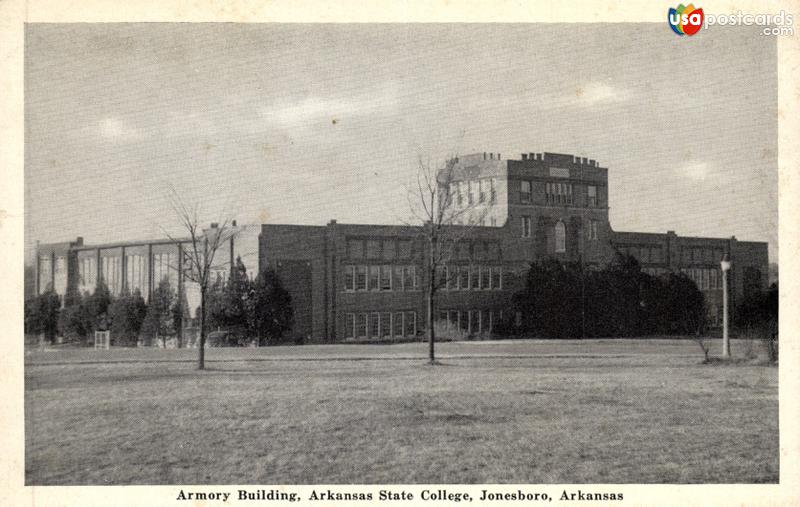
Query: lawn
point(610, 411)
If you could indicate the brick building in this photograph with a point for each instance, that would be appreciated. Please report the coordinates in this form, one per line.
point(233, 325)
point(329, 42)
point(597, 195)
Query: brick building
point(355, 281)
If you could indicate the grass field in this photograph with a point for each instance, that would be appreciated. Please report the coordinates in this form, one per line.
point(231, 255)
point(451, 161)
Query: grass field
point(611, 411)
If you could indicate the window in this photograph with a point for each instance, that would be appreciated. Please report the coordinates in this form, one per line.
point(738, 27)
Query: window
point(374, 277)
point(474, 277)
point(409, 278)
point(492, 191)
point(441, 276)
point(350, 325)
point(459, 196)
point(526, 227)
point(482, 190)
point(497, 278)
point(474, 321)
point(452, 317)
point(374, 325)
point(470, 199)
point(561, 237)
point(486, 277)
point(591, 191)
point(361, 325)
point(386, 278)
point(558, 193)
point(361, 278)
point(463, 278)
point(349, 278)
point(397, 278)
point(410, 323)
point(525, 191)
point(397, 324)
point(452, 277)
point(592, 229)
point(386, 327)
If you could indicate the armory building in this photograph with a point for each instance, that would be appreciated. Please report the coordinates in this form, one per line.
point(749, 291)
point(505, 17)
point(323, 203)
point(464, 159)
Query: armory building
point(351, 282)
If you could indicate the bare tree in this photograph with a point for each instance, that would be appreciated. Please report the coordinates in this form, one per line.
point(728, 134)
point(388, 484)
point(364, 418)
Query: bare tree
point(447, 218)
point(200, 248)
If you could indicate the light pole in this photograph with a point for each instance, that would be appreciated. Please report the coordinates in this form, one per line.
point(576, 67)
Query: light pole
point(725, 264)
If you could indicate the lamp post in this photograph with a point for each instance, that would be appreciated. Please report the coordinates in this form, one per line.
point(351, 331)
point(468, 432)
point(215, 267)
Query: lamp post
point(725, 264)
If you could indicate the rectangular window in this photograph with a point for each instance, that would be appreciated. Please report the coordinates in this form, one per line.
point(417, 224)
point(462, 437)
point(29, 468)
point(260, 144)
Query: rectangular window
point(592, 229)
point(526, 227)
point(591, 192)
point(374, 325)
point(474, 321)
point(361, 328)
point(497, 278)
point(441, 277)
point(463, 277)
point(409, 278)
point(459, 194)
point(524, 191)
point(361, 278)
point(452, 277)
point(475, 277)
point(452, 317)
point(349, 278)
point(386, 325)
point(374, 277)
point(410, 323)
point(481, 191)
point(470, 199)
point(397, 324)
point(350, 325)
point(492, 191)
point(486, 277)
point(486, 321)
point(397, 278)
point(386, 278)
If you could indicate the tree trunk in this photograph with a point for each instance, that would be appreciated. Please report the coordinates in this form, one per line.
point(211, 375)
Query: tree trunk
point(431, 292)
point(202, 352)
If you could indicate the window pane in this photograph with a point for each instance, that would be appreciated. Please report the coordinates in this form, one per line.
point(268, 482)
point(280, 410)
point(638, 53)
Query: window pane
point(349, 278)
point(361, 278)
point(386, 328)
point(386, 278)
point(374, 325)
point(404, 249)
point(410, 323)
point(374, 277)
point(397, 278)
point(486, 277)
point(397, 324)
point(362, 325)
point(463, 277)
point(349, 325)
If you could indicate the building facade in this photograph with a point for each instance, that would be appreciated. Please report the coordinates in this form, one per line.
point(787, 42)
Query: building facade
point(352, 282)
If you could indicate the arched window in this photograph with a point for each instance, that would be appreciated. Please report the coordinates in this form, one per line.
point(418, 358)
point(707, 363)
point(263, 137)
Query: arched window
point(561, 237)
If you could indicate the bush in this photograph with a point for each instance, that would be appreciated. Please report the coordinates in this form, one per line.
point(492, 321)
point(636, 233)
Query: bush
point(126, 314)
point(42, 314)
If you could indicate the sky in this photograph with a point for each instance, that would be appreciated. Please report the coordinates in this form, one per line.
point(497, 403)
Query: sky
point(281, 123)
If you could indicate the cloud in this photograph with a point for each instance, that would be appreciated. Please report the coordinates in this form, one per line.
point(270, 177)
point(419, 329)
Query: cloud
point(595, 92)
point(316, 109)
point(118, 130)
point(696, 171)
